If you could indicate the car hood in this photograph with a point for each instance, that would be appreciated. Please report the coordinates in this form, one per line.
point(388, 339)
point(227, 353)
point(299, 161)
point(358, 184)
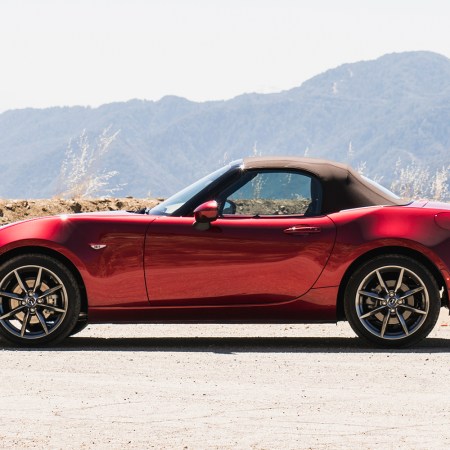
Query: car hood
point(68, 216)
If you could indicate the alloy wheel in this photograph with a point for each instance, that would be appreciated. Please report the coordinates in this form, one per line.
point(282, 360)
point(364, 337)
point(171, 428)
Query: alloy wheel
point(33, 302)
point(392, 302)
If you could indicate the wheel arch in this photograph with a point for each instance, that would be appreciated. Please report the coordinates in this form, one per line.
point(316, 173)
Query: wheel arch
point(56, 255)
point(381, 251)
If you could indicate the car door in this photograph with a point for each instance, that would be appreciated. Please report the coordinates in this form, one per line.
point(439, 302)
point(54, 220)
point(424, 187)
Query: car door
point(264, 249)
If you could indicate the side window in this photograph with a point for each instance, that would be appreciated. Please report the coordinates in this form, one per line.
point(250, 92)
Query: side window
point(272, 193)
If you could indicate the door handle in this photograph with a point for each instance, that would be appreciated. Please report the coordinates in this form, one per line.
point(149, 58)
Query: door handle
point(302, 230)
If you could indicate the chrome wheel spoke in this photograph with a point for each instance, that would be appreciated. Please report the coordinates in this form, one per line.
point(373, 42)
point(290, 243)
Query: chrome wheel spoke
point(411, 292)
point(51, 291)
point(10, 295)
point(37, 282)
point(25, 323)
point(381, 281)
point(42, 321)
point(402, 322)
point(400, 279)
point(414, 310)
point(11, 313)
point(20, 282)
point(51, 308)
point(371, 295)
point(371, 313)
point(385, 323)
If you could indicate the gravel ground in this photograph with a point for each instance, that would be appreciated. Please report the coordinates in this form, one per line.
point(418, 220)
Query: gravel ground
point(226, 386)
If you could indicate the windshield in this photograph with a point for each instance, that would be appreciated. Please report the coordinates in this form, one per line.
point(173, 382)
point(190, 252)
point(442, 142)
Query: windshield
point(175, 202)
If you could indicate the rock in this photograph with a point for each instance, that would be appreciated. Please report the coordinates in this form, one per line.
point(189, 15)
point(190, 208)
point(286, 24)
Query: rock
point(75, 207)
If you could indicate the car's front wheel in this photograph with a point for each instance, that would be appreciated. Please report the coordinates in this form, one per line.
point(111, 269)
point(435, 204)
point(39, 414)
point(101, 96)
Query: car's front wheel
point(392, 301)
point(39, 300)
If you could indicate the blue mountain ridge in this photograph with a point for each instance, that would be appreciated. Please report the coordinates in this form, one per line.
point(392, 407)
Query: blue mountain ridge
point(394, 107)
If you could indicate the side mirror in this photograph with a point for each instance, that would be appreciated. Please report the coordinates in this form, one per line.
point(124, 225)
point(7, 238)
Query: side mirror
point(205, 214)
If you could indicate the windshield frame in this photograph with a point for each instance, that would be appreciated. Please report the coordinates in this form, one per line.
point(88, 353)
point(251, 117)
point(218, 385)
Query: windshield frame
point(183, 202)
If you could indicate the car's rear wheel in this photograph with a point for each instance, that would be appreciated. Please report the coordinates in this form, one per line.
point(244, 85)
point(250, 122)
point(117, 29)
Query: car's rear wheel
point(39, 300)
point(392, 301)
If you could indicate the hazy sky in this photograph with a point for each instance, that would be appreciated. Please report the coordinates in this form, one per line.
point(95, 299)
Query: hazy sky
point(89, 52)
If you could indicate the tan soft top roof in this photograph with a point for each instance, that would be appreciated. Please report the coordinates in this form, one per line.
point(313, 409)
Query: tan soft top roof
point(343, 187)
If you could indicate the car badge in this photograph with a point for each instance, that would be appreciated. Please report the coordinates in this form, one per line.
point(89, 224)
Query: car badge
point(97, 246)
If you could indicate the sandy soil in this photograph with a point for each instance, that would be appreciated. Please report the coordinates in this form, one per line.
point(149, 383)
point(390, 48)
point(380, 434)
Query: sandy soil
point(228, 386)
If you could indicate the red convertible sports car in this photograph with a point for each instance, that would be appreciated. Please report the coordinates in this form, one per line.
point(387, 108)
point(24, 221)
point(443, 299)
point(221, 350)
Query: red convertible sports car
point(260, 240)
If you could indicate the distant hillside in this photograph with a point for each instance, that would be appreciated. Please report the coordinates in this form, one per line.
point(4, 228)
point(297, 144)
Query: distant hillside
point(397, 106)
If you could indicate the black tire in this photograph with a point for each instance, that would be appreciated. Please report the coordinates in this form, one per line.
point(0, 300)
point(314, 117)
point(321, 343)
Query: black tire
point(79, 327)
point(392, 301)
point(39, 300)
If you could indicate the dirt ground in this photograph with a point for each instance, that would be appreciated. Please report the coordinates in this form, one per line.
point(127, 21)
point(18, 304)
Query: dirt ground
point(226, 387)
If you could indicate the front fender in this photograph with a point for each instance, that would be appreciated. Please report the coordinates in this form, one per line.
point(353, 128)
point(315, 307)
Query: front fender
point(112, 272)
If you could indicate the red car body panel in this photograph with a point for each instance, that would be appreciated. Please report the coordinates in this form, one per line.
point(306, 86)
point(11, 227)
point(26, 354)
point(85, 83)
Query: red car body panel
point(113, 276)
point(156, 268)
point(238, 261)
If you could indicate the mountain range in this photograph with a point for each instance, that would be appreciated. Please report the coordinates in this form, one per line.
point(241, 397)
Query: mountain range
point(379, 112)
